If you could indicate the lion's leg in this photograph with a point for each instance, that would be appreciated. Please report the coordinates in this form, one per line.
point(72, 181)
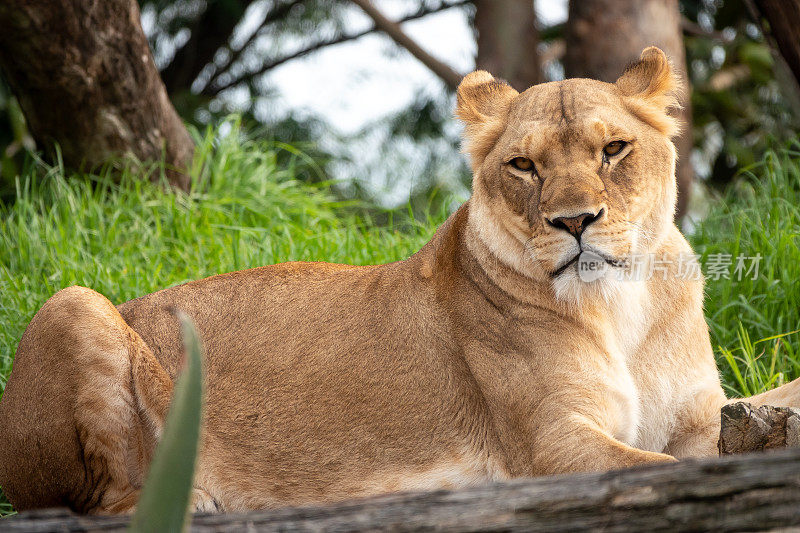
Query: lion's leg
point(697, 427)
point(82, 410)
point(582, 446)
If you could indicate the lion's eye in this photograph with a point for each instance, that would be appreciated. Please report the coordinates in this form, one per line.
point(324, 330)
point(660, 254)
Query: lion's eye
point(614, 147)
point(522, 163)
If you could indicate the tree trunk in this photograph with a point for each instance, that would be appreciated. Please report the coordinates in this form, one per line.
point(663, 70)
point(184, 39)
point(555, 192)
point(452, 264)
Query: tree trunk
point(507, 41)
point(85, 78)
point(604, 36)
point(784, 26)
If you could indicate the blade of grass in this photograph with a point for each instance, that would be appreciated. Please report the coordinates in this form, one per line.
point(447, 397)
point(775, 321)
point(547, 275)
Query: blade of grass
point(164, 501)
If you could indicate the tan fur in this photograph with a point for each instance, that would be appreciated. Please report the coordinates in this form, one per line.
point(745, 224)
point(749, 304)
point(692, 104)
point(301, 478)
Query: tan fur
point(469, 362)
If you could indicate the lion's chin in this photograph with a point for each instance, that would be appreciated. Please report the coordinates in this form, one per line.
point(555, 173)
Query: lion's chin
point(587, 279)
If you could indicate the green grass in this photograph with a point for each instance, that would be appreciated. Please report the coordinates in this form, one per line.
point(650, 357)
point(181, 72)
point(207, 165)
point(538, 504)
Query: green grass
point(754, 322)
point(5, 508)
point(245, 209)
point(131, 239)
point(163, 504)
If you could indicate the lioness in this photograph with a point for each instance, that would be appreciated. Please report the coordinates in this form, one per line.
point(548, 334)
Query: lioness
point(485, 356)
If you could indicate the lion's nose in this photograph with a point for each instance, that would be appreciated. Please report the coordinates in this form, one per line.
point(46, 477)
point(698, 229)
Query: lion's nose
point(577, 224)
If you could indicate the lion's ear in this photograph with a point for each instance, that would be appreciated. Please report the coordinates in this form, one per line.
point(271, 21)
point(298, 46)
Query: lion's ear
point(481, 98)
point(652, 88)
point(651, 77)
point(482, 105)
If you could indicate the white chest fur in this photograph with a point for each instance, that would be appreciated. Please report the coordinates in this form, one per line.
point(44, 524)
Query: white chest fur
point(646, 385)
point(624, 332)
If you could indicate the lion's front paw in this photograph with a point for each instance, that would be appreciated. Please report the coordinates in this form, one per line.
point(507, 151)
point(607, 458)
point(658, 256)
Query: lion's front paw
point(202, 502)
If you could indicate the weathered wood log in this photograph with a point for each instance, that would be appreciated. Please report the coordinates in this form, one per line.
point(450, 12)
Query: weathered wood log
point(751, 492)
point(746, 428)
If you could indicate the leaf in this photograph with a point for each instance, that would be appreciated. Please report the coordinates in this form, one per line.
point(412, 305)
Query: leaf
point(164, 502)
point(757, 55)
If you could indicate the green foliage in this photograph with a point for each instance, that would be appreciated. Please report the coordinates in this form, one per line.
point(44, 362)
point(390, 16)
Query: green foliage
point(407, 158)
point(743, 100)
point(164, 502)
point(759, 215)
point(132, 238)
point(14, 140)
point(5, 508)
point(261, 36)
point(757, 368)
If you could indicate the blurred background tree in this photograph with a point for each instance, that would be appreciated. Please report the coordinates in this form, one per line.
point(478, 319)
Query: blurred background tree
point(83, 74)
point(220, 56)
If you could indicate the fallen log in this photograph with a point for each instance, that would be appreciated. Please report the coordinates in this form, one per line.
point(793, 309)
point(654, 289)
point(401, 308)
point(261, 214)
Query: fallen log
point(752, 492)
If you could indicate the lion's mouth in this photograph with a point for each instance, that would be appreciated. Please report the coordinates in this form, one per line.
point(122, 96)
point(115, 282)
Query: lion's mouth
point(616, 263)
point(560, 270)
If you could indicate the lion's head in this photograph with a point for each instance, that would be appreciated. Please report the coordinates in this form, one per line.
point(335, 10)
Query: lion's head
point(573, 169)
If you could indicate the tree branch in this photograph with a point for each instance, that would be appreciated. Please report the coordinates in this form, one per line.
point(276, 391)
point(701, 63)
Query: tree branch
point(212, 30)
point(450, 77)
point(689, 27)
point(213, 88)
point(274, 15)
